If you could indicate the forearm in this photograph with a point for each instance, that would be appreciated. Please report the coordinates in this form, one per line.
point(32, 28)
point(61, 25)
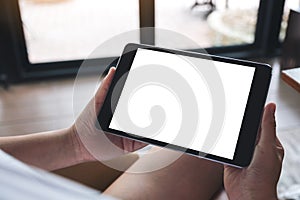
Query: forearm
point(48, 150)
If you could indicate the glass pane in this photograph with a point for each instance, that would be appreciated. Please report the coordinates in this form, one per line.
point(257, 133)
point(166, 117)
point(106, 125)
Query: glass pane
point(209, 23)
point(57, 30)
point(289, 4)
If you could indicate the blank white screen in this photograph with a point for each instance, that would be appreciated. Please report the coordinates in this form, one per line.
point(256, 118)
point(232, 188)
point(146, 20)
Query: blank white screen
point(236, 80)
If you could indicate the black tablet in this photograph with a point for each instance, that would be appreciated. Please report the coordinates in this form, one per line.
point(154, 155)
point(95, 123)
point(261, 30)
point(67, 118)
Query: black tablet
point(203, 105)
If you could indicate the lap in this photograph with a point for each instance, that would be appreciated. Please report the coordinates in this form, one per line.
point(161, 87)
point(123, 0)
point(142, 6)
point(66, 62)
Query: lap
point(187, 177)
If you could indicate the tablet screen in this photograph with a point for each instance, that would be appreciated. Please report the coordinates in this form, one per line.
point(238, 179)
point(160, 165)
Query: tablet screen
point(236, 83)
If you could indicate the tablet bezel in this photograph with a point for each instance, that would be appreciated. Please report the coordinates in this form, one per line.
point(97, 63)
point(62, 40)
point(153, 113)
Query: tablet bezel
point(252, 116)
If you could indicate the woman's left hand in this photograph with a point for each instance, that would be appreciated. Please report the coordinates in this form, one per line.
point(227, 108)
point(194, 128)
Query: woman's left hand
point(91, 143)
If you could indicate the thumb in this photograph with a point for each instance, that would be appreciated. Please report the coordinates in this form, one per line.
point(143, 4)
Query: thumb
point(103, 89)
point(268, 125)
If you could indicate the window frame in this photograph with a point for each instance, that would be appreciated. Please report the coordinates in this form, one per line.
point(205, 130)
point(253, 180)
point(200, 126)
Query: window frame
point(18, 67)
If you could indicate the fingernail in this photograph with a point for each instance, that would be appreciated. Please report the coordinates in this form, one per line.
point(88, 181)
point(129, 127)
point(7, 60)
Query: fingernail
point(272, 109)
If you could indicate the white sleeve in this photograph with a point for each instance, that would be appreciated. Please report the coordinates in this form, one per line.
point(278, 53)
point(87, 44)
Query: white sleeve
point(20, 181)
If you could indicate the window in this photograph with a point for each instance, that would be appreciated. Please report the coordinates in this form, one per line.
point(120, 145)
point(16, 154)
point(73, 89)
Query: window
point(62, 30)
point(289, 4)
point(208, 23)
point(52, 37)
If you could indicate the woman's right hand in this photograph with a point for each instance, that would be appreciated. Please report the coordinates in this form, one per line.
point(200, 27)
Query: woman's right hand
point(259, 179)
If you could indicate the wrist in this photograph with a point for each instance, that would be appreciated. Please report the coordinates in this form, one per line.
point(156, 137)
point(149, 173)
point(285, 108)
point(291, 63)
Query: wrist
point(254, 195)
point(80, 152)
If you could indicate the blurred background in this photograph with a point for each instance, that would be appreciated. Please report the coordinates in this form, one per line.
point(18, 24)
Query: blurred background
point(59, 30)
point(48, 36)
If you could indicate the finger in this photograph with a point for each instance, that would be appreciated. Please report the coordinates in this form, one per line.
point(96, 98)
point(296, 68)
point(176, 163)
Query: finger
point(230, 170)
point(280, 153)
point(279, 148)
point(138, 145)
point(258, 136)
point(268, 125)
point(105, 83)
point(103, 89)
point(278, 143)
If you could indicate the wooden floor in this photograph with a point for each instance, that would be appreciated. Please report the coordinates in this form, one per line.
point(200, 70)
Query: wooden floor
point(48, 105)
point(35, 107)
